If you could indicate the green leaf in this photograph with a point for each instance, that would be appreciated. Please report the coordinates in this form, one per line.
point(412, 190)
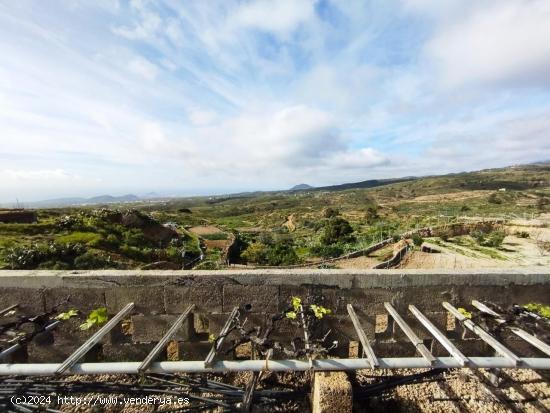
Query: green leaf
point(211, 338)
point(291, 315)
point(97, 317)
point(67, 315)
point(464, 312)
point(319, 311)
point(540, 309)
point(296, 303)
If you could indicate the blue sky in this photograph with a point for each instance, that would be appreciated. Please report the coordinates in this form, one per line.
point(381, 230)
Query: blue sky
point(198, 97)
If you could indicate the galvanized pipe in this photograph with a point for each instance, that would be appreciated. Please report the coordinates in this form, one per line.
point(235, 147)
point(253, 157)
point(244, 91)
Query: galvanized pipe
point(272, 365)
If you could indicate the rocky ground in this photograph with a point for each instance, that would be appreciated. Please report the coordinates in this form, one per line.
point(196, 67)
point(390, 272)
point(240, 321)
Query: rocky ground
point(461, 391)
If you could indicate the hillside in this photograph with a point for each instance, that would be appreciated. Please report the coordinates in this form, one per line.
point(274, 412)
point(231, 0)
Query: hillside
point(286, 227)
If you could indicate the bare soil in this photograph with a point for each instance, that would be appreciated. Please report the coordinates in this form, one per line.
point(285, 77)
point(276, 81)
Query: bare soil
point(205, 230)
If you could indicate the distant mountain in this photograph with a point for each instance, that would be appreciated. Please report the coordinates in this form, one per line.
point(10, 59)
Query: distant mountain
point(107, 199)
point(371, 183)
point(300, 187)
point(64, 202)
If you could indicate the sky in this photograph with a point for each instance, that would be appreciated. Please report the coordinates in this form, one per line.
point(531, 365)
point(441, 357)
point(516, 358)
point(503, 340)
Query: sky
point(194, 97)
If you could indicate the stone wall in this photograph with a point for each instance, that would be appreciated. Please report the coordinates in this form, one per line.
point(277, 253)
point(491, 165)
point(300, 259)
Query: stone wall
point(18, 216)
point(159, 296)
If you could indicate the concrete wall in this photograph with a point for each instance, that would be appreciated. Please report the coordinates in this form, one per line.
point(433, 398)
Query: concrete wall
point(160, 296)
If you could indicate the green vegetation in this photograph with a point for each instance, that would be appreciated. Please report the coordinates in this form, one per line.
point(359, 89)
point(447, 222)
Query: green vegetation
point(327, 223)
point(417, 240)
point(464, 312)
point(96, 318)
point(537, 308)
point(336, 229)
point(489, 239)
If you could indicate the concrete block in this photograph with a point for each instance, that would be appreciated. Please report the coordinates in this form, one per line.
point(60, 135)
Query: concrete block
point(286, 330)
point(368, 301)
point(331, 393)
point(289, 291)
point(195, 350)
point(326, 297)
point(474, 348)
point(200, 323)
point(426, 299)
point(217, 321)
point(256, 298)
point(56, 353)
point(68, 332)
point(82, 299)
point(31, 301)
point(147, 329)
point(343, 328)
point(147, 300)
point(519, 347)
point(128, 352)
point(500, 295)
point(205, 298)
point(438, 319)
point(391, 348)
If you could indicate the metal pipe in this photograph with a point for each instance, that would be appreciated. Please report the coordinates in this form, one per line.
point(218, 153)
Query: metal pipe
point(481, 333)
point(445, 342)
point(531, 339)
point(273, 365)
point(5, 353)
point(93, 340)
point(164, 340)
point(219, 341)
point(367, 349)
point(419, 344)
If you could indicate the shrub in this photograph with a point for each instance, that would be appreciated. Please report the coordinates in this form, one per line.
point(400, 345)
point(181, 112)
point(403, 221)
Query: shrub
point(417, 240)
point(86, 238)
point(330, 212)
point(372, 215)
point(135, 238)
point(215, 236)
point(492, 239)
point(327, 251)
point(91, 261)
point(522, 234)
point(282, 254)
point(495, 239)
point(33, 256)
point(494, 199)
point(236, 249)
point(337, 229)
point(479, 236)
point(255, 252)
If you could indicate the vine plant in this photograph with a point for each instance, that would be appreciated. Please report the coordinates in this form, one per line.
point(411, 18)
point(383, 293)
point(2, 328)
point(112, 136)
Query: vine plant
point(307, 317)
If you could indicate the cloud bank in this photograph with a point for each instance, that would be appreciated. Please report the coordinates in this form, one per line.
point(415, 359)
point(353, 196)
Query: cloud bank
point(208, 97)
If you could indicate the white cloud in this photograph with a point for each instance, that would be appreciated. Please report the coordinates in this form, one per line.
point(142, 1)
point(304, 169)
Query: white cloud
point(144, 68)
point(496, 41)
point(280, 17)
point(363, 158)
point(201, 117)
point(20, 176)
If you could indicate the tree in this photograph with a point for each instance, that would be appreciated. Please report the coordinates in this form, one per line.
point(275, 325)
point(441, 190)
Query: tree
point(417, 240)
point(372, 215)
point(255, 252)
point(330, 212)
point(494, 199)
point(282, 254)
point(337, 229)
